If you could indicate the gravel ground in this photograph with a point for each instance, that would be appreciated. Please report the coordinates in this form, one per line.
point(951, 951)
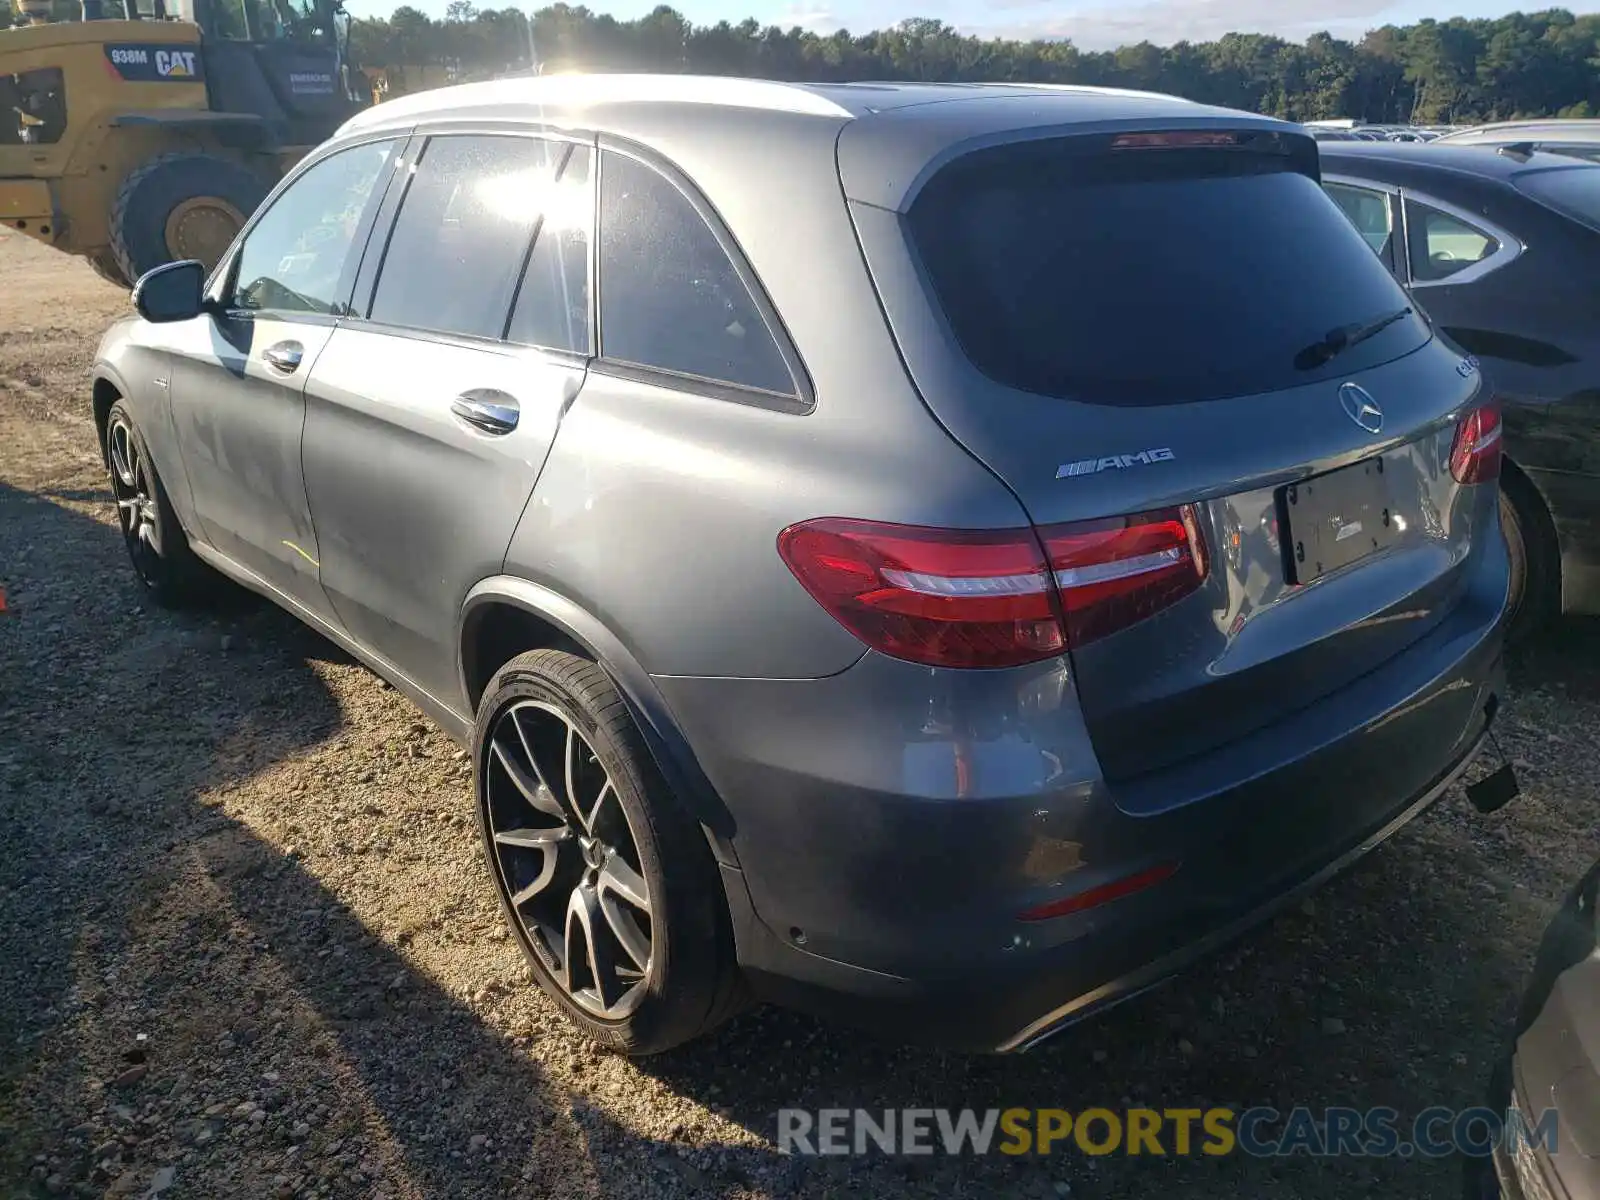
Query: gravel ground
point(248, 947)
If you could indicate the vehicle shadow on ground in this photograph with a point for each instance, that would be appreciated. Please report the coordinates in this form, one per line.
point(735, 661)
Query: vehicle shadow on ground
point(1564, 656)
point(170, 966)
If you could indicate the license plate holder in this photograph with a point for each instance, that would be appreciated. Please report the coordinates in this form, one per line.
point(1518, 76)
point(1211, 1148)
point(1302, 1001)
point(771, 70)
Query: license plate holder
point(1335, 520)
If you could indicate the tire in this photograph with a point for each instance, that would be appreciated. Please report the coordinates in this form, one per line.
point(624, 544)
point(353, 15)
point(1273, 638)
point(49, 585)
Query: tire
point(105, 266)
point(1534, 599)
point(550, 861)
point(181, 206)
point(163, 561)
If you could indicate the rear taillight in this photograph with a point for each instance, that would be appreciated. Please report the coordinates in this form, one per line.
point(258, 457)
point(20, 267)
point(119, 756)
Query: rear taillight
point(1475, 456)
point(1112, 574)
point(993, 598)
point(946, 598)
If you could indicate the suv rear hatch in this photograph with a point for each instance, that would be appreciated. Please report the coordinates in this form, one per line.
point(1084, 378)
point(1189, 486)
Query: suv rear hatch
point(1182, 358)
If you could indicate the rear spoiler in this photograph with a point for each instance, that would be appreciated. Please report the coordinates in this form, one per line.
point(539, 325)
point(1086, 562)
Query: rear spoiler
point(887, 161)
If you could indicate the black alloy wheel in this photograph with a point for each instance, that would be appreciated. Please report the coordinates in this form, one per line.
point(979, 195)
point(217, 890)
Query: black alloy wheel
point(569, 859)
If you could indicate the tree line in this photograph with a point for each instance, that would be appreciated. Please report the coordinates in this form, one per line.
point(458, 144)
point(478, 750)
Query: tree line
point(1434, 72)
point(1458, 71)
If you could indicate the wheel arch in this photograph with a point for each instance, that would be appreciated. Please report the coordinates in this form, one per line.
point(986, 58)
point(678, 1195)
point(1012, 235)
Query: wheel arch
point(504, 616)
point(1526, 492)
point(106, 391)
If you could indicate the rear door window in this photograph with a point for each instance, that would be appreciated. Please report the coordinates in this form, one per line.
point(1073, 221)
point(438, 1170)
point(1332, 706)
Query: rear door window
point(1369, 211)
point(1154, 276)
point(552, 306)
point(670, 297)
point(1443, 245)
point(462, 235)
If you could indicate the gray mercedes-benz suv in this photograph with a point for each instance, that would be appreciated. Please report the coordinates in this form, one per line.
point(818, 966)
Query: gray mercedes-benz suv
point(942, 554)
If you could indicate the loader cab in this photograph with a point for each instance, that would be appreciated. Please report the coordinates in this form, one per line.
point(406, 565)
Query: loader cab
point(286, 61)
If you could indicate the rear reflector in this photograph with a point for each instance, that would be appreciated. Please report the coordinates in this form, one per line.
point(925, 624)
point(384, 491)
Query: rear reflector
point(1475, 456)
point(993, 598)
point(1104, 894)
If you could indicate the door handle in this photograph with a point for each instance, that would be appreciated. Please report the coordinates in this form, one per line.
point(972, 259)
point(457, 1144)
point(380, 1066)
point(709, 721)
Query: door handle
point(284, 356)
point(487, 410)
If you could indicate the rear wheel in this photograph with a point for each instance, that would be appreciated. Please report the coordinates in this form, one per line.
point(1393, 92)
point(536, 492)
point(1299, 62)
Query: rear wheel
point(606, 880)
point(1535, 591)
point(181, 206)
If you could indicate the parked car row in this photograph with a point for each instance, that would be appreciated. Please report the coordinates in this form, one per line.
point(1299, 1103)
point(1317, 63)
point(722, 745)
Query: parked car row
point(865, 578)
point(1356, 131)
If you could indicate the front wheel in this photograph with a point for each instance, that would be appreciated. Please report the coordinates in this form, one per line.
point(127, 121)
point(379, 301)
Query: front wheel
point(104, 264)
point(166, 566)
point(605, 878)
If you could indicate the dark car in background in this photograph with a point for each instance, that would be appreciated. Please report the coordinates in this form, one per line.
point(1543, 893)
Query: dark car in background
point(1553, 1065)
point(1503, 253)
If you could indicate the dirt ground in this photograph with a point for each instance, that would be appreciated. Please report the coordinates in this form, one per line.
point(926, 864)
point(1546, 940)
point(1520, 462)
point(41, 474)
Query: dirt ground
point(248, 946)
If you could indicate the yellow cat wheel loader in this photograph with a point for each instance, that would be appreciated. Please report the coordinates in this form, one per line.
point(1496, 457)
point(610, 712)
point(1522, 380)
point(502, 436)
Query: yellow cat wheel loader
point(148, 134)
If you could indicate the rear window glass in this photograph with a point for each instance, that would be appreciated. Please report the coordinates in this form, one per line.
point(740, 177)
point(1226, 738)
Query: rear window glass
point(1575, 191)
point(1442, 245)
point(1370, 213)
point(1152, 276)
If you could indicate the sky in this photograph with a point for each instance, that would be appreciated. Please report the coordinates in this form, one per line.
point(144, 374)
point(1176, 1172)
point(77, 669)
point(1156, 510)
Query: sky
point(1091, 24)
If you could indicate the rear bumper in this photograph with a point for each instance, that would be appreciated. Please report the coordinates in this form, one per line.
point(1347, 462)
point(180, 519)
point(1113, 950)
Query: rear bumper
point(893, 822)
point(1023, 1003)
point(1140, 979)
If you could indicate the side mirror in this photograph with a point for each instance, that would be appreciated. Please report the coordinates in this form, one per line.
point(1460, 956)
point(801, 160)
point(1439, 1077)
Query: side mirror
point(171, 292)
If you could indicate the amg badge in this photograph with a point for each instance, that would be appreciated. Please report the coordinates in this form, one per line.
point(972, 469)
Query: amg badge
point(1113, 462)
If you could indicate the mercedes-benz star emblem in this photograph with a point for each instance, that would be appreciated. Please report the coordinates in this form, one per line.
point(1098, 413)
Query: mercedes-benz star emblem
point(1361, 408)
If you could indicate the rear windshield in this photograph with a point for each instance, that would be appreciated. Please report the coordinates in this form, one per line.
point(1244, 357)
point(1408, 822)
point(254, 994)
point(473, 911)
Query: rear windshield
point(1574, 191)
point(1151, 276)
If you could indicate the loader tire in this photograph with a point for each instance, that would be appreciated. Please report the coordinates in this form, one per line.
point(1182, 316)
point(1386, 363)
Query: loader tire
point(105, 266)
point(181, 206)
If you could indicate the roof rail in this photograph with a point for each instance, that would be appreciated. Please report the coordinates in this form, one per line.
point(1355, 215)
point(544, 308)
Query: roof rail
point(1088, 89)
point(580, 91)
